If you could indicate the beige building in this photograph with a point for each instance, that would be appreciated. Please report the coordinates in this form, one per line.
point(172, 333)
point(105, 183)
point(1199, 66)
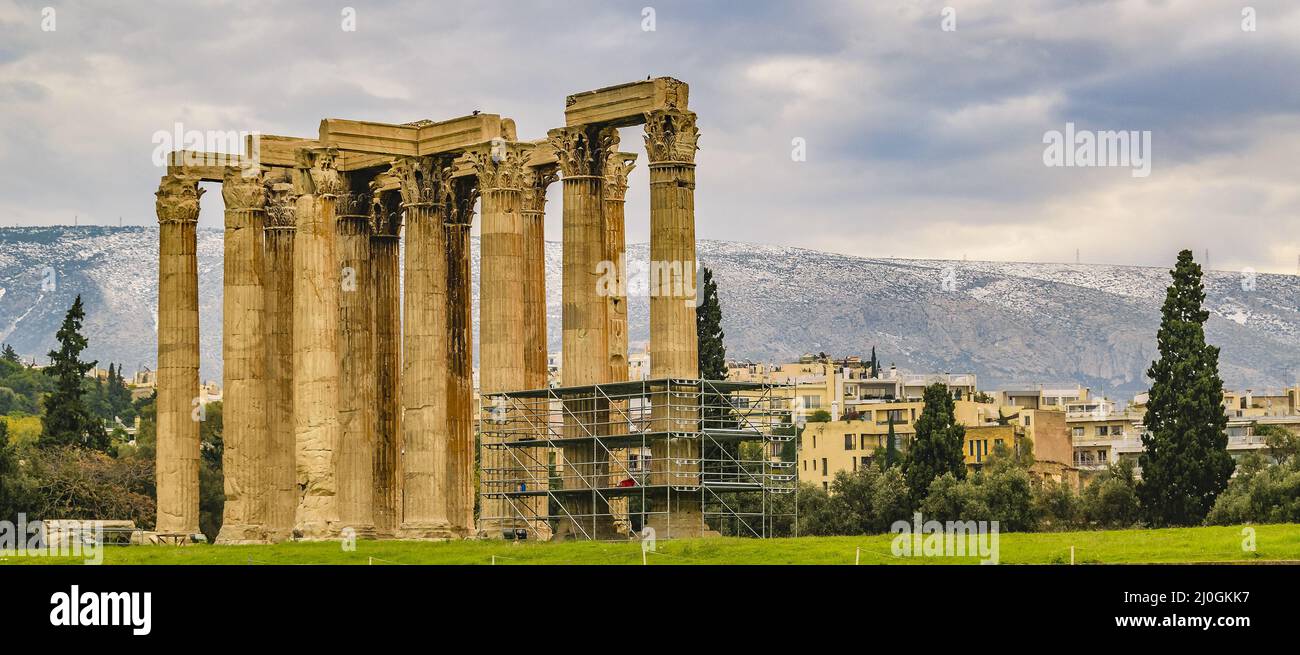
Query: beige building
point(1105, 434)
point(850, 443)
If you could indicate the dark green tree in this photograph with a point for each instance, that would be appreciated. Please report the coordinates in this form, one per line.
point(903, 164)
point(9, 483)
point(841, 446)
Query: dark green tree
point(8, 354)
point(708, 330)
point(67, 419)
point(1185, 463)
point(891, 447)
point(875, 364)
point(10, 503)
point(936, 448)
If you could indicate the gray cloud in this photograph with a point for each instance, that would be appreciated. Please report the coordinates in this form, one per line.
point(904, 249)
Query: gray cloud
point(921, 142)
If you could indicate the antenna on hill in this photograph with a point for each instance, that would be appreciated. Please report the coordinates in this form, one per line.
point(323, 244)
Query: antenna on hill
point(1076, 255)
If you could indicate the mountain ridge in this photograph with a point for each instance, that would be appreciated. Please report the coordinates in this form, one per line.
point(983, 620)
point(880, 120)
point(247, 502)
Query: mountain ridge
point(1007, 322)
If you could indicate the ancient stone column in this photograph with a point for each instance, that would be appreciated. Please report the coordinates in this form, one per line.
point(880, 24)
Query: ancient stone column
point(617, 167)
point(315, 344)
point(670, 138)
point(581, 154)
point(178, 356)
point(277, 283)
point(386, 278)
point(533, 210)
point(458, 197)
point(500, 170)
point(424, 348)
point(536, 363)
point(244, 355)
point(356, 401)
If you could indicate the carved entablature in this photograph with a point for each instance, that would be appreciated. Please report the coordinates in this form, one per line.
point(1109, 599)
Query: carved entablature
point(420, 179)
point(242, 192)
point(675, 93)
point(617, 167)
point(535, 181)
point(353, 204)
point(580, 150)
point(499, 164)
point(317, 172)
point(178, 199)
point(671, 136)
point(280, 200)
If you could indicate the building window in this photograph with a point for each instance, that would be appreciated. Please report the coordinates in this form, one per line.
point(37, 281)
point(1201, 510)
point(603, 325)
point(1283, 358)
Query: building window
point(848, 442)
point(862, 439)
point(1076, 432)
point(824, 471)
point(1103, 430)
point(811, 402)
point(826, 486)
point(855, 464)
point(814, 464)
point(814, 441)
point(1027, 417)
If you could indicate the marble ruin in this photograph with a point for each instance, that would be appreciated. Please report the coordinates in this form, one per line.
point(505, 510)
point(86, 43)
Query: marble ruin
point(349, 399)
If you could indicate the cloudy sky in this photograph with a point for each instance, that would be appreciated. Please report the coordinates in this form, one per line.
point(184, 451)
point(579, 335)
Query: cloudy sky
point(920, 141)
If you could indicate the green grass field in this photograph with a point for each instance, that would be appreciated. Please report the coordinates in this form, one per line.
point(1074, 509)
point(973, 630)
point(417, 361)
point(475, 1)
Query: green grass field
point(1210, 544)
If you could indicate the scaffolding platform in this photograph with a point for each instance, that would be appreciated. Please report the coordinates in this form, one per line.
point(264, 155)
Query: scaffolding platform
point(613, 461)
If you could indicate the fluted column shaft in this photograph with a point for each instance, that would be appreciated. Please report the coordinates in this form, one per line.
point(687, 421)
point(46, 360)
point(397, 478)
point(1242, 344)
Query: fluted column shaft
point(580, 152)
point(670, 138)
point(244, 354)
point(356, 402)
point(177, 466)
point(500, 173)
point(617, 167)
point(458, 207)
point(386, 278)
point(424, 348)
point(278, 279)
point(536, 369)
point(315, 338)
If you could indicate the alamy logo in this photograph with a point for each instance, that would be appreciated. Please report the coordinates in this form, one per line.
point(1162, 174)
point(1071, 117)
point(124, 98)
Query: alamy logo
point(75, 607)
point(946, 539)
point(1109, 148)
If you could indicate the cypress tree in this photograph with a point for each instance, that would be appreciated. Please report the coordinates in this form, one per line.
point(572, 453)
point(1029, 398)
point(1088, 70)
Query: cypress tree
point(67, 419)
point(8, 354)
point(1185, 461)
point(891, 448)
point(936, 449)
point(708, 330)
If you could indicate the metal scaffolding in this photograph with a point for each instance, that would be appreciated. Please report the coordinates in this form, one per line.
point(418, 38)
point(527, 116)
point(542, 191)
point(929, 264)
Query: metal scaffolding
point(608, 461)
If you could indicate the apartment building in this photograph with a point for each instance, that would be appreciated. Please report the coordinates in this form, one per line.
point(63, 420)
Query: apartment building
point(1104, 434)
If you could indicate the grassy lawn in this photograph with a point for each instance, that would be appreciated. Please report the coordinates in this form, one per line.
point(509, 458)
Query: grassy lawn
point(1210, 544)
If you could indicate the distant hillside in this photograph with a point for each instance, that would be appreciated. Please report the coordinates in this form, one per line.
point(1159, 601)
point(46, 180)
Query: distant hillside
point(1006, 322)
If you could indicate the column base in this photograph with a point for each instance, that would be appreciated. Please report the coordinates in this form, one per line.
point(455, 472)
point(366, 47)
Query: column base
point(235, 535)
point(426, 531)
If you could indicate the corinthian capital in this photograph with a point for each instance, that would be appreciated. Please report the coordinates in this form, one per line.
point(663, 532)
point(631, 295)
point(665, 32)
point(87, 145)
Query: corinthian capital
point(178, 199)
point(617, 167)
point(535, 181)
point(242, 192)
point(317, 171)
point(420, 179)
point(581, 150)
point(499, 164)
point(671, 136)
point(458, 198)
point(353, 204)
point(280, 200)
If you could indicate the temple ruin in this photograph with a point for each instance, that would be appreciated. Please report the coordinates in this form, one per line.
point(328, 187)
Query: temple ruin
point(348, 374)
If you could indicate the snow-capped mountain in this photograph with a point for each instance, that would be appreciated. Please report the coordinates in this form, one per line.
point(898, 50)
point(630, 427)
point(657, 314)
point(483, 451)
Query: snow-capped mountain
point(1009, 323)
